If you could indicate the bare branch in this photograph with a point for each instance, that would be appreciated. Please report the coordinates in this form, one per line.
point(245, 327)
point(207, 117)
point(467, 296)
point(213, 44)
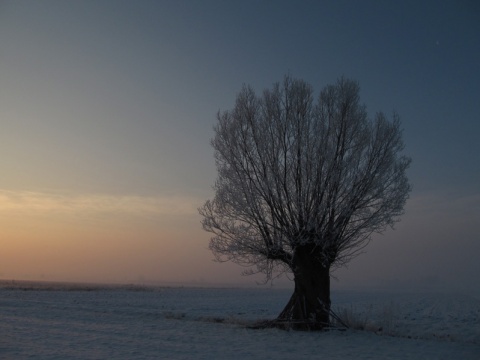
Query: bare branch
point(295, 173)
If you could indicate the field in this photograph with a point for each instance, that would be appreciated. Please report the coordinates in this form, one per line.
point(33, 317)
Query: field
point(68, 321)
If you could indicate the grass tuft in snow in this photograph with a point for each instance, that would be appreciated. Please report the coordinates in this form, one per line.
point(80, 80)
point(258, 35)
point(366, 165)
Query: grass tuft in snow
point(351, 318)
point(385, 322)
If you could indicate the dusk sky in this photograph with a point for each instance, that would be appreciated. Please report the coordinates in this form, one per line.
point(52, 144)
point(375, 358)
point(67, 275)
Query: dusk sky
point(107, 109)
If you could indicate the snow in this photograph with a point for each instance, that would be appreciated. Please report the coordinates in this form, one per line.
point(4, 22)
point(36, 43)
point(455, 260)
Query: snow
point(63, 322)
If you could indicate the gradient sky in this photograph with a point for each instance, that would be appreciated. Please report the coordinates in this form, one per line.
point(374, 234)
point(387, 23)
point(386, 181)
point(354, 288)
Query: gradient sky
point(107, 108)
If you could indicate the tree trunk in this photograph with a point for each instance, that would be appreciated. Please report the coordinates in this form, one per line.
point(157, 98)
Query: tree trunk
point(309, 306)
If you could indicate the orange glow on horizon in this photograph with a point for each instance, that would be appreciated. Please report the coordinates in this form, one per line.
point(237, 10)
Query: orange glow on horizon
point(102, 238)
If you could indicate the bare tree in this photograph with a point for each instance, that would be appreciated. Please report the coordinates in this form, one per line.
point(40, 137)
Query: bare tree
point(302, 186)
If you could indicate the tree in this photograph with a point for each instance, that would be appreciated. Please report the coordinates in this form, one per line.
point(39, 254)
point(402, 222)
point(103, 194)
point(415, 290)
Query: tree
point(302, 186)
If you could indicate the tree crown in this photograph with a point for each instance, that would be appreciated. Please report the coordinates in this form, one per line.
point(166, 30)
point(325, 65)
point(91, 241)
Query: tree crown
point(294, 173)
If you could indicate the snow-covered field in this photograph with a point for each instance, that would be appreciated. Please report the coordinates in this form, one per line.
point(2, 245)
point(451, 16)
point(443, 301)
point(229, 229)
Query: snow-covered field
point(83, 322)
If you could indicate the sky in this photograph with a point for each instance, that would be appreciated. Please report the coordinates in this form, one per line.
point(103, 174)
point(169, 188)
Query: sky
point(107, 109)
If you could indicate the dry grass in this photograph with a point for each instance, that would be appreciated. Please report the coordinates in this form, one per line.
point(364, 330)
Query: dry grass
point(353, 318)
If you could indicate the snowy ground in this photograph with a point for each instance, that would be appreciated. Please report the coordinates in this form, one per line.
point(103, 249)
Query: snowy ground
point(73, 322)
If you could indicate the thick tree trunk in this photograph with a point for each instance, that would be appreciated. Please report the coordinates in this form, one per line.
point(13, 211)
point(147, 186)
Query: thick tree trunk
point(309, 306)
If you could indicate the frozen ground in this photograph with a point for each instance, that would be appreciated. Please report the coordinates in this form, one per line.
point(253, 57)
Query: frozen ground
point(72, 322)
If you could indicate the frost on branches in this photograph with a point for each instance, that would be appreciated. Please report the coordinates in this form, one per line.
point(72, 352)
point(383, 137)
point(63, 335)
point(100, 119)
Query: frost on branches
point(302, 186)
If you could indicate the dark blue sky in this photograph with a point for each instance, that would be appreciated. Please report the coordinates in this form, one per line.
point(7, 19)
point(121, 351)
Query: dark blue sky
point(118, 99)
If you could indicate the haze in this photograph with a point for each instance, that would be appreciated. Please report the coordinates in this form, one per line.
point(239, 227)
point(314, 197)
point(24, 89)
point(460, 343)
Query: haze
point(107, 108)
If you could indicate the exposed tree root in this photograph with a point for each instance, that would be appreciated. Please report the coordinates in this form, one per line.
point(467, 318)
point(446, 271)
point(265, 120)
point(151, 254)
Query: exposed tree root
point(293, 325)
point(288, 323)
